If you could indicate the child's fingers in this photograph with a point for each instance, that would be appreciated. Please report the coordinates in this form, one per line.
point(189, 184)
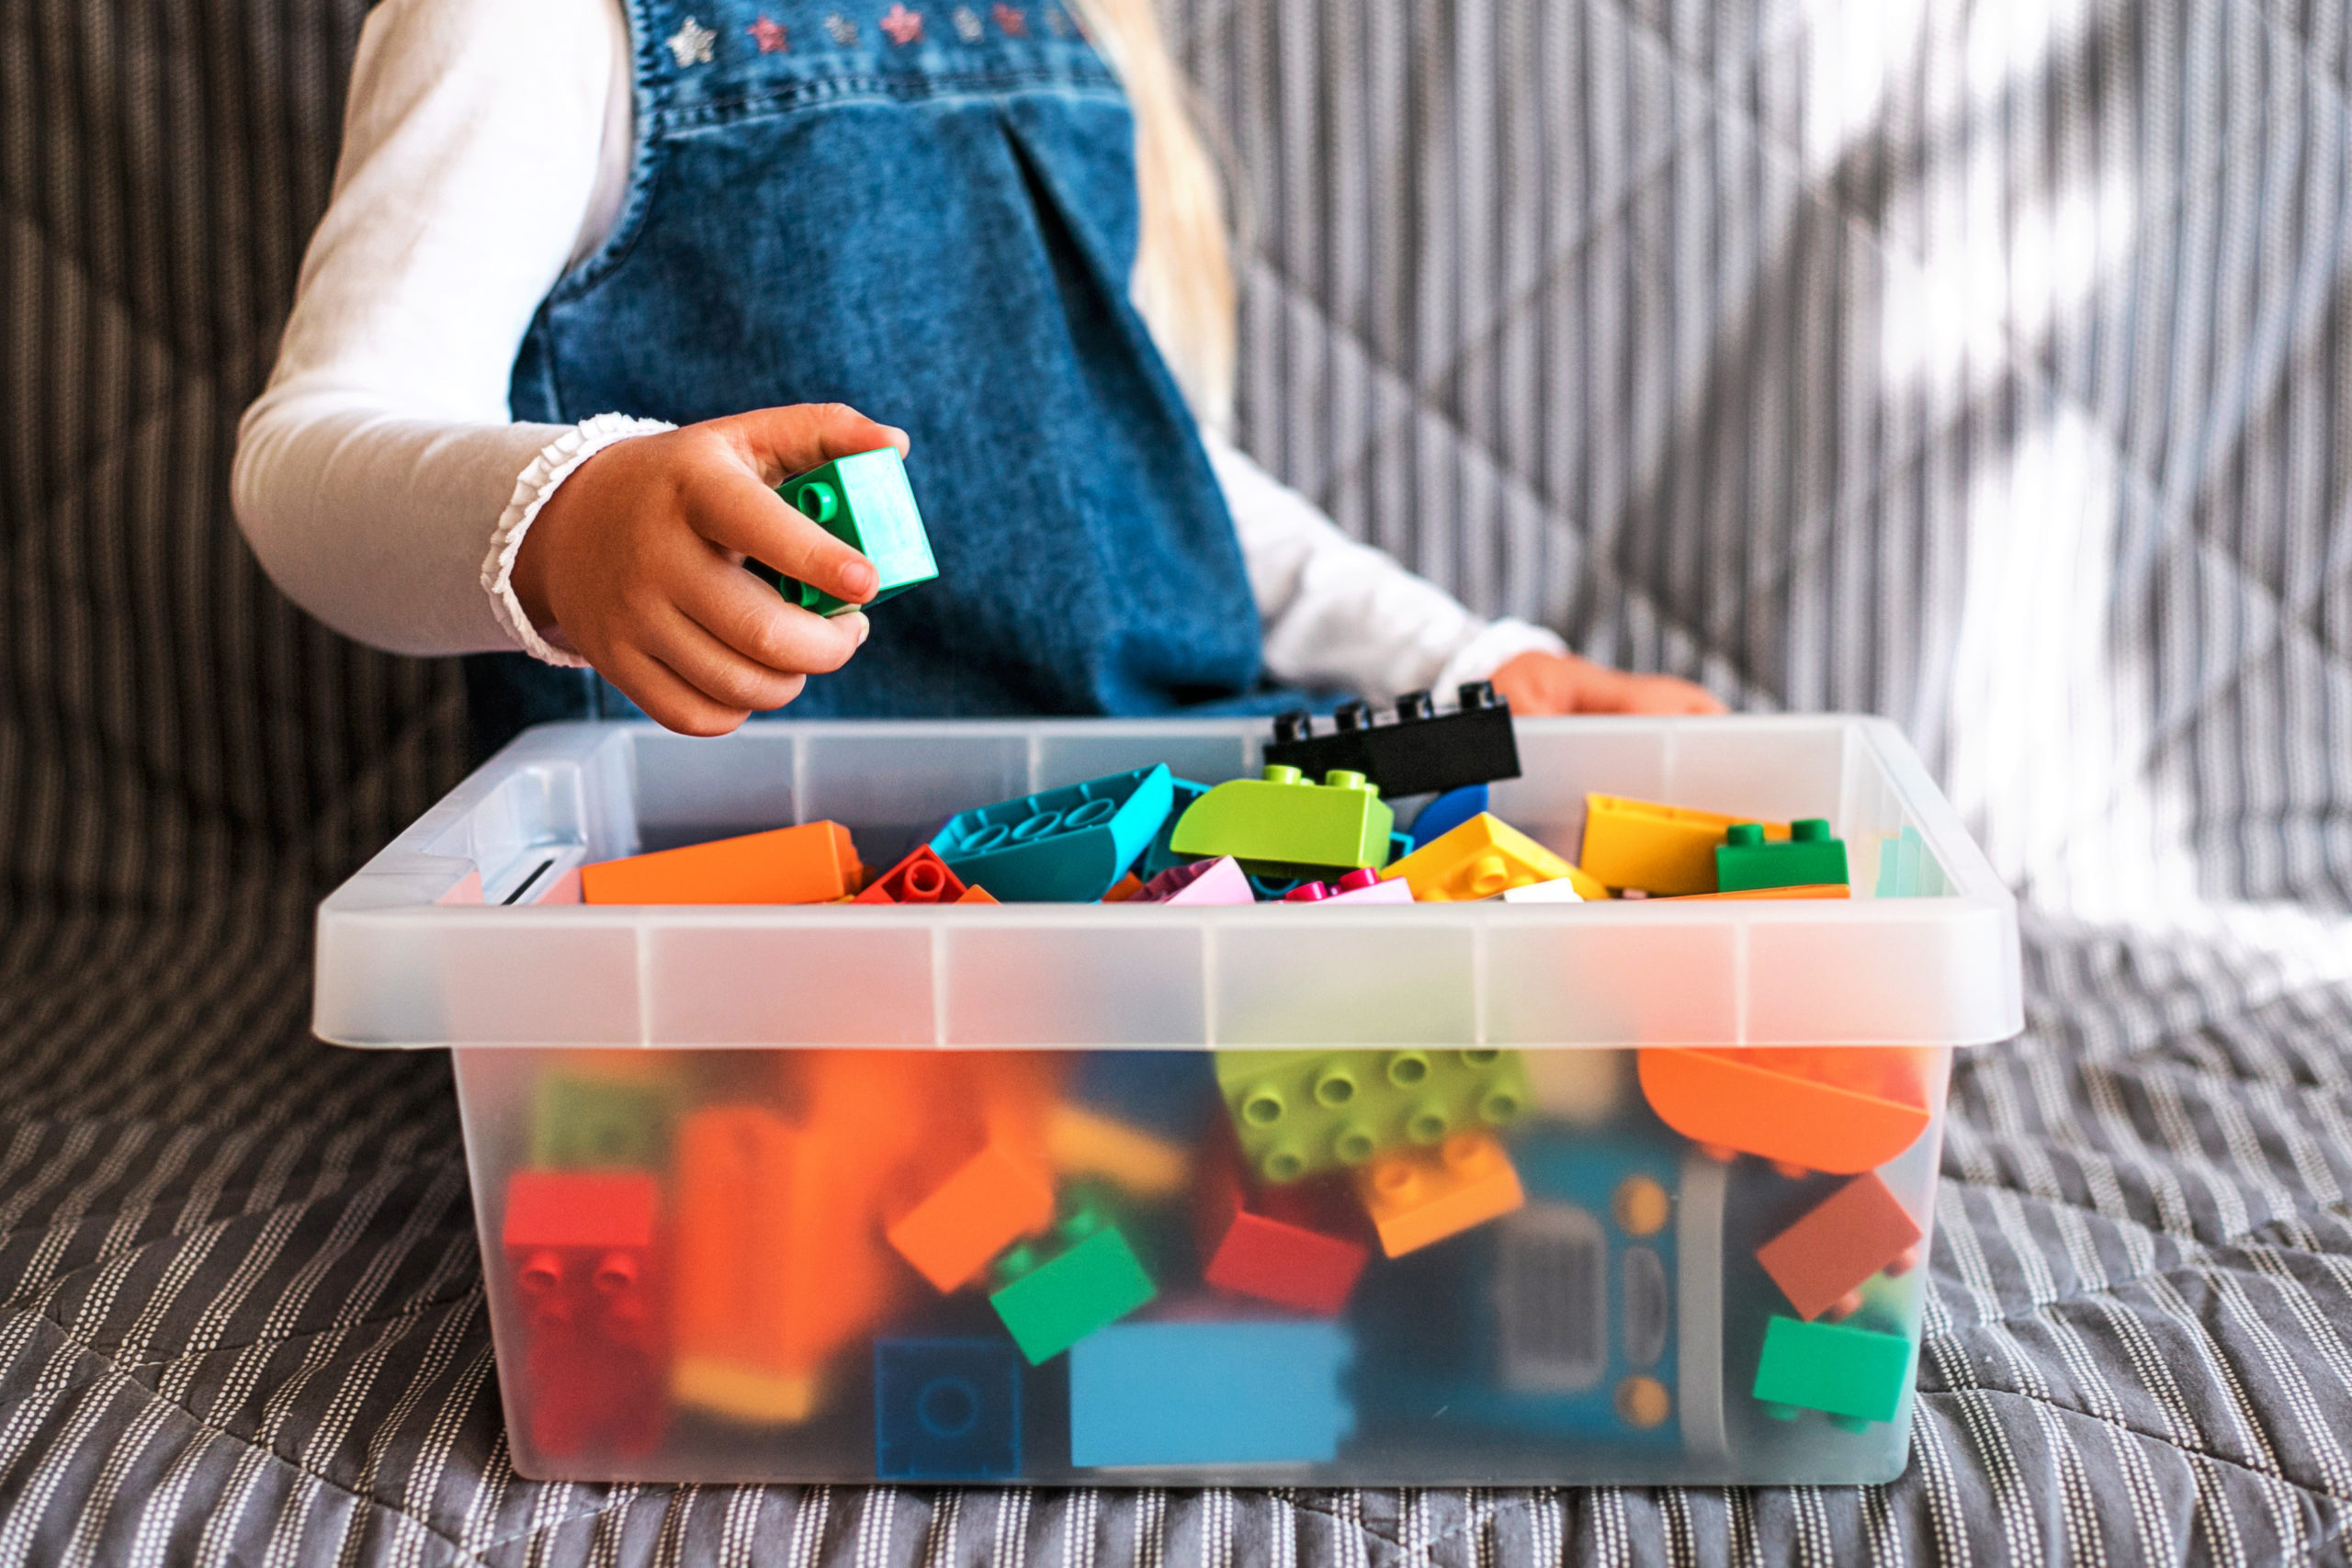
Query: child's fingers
point(748, 616)
point(1671, 695)
point(667, 700)
point(714, 669)
point(782, 442)
point(738, 512)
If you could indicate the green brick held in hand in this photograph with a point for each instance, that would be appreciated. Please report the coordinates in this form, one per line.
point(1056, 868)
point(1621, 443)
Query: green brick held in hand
point(1858, 1374)
point(1810, 857)
point(1280, 820)
point(580, 1122)
point(1300, 1111)
point(1050, 1303)
point(865, 502)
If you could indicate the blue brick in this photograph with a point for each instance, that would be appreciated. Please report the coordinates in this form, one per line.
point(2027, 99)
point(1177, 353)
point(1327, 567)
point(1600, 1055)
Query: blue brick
point(946, 1410)
point(1447, 812)
point(1169, 1092)
point(1169, 1394)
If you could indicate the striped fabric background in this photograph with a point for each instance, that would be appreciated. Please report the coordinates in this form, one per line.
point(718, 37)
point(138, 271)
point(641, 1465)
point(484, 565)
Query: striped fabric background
point(1980, 362)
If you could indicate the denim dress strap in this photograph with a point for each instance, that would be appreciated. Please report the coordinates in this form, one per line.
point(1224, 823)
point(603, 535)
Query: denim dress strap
point(931, 215)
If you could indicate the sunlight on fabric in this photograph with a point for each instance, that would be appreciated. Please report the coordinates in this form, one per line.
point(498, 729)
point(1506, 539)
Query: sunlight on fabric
point(2047, 712)
point(2000, 256)
point(1851, 49)
point(2056, 257)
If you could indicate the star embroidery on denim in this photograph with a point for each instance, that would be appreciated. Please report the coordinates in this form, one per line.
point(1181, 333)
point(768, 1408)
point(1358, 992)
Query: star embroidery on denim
point(844, 31)
point(904, 27)
point(1013, 19)
point(968, 26)
point(771, 36)
point(691, 43)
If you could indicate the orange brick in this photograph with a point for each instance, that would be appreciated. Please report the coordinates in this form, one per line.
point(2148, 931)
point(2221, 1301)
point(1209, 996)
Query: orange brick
point(1419, 1196)
point(813, 864)
point(778, 1266)
point(990, 1201)
point(1838, 1108)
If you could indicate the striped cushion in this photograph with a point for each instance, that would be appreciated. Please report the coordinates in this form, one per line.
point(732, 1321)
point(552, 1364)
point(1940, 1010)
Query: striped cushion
point(1982, 366)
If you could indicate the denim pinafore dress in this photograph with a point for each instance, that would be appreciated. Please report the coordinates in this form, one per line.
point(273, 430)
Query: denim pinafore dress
point(929, 212)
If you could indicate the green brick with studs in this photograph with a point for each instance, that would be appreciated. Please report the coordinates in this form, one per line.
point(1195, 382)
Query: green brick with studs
point(1054, 1290)
point(581, 1123)
point(1810, 857)
point(1297, 1112)
point(865, 501)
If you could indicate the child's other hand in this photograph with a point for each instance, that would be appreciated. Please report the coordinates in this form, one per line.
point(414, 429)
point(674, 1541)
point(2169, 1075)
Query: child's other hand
point(1541, 684)
point(636, 560)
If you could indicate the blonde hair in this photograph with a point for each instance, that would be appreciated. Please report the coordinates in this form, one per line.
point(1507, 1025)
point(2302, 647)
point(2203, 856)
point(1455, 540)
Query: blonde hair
point(1184, 284)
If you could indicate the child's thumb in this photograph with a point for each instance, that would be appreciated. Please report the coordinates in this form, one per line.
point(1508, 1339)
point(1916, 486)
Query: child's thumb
point(782, 442)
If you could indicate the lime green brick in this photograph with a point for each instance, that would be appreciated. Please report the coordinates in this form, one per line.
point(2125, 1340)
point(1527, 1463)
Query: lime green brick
point(1280, 820)
point(1808, 858)
point(1050, 1303)
point(865, 502)
point(1297, 1112)
point(581, 1123)
point(1858, 1374)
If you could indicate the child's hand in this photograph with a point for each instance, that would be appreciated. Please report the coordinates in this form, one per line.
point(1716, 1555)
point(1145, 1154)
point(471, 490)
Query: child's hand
point(637, 561)
point(1540, 683)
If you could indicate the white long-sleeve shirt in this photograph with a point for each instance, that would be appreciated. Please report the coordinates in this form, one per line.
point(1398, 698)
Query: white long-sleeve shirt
point(381, 477)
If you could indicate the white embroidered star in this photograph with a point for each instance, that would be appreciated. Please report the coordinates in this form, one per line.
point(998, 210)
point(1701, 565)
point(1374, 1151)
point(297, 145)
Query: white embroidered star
point(691, 43)
point(844, 31)
point(904, 27)
point(968, 26)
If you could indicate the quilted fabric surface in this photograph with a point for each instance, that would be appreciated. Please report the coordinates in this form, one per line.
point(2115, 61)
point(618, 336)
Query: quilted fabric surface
point(1985, 364)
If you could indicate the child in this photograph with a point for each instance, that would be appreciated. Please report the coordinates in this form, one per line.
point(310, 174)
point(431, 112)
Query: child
point(572, 241)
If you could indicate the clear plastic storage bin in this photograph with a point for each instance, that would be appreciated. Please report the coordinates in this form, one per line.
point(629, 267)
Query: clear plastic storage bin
point(992, 1194)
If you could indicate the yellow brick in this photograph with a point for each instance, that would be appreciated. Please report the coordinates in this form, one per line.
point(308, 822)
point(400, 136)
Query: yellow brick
point(1483, 857)
point(1082, 1143)
point(745, 1393)
point(1663, 850)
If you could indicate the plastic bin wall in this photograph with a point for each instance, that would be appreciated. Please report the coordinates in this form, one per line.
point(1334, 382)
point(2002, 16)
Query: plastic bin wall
point(1674, 1234)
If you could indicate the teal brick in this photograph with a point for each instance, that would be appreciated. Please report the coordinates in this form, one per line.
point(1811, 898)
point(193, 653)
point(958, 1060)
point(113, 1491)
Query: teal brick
point(1809, 857)
point(864, 500)
point(1297, 1112)
point(1067, 845)
point(1858, 1374)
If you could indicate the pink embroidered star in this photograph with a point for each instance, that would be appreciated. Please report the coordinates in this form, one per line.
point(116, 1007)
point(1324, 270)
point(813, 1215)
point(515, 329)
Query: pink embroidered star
point(771, 36)
point(1013, 20)
point(904, 27)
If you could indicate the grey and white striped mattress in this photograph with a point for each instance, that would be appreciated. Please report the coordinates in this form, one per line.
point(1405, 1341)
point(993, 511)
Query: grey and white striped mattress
point(1982, 363)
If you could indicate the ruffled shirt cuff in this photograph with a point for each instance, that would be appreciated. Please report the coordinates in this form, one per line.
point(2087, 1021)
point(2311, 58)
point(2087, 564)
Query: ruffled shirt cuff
point(554, 464)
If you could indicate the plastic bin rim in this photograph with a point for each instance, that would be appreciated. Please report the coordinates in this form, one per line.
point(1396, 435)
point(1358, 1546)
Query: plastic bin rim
point(396, 898)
